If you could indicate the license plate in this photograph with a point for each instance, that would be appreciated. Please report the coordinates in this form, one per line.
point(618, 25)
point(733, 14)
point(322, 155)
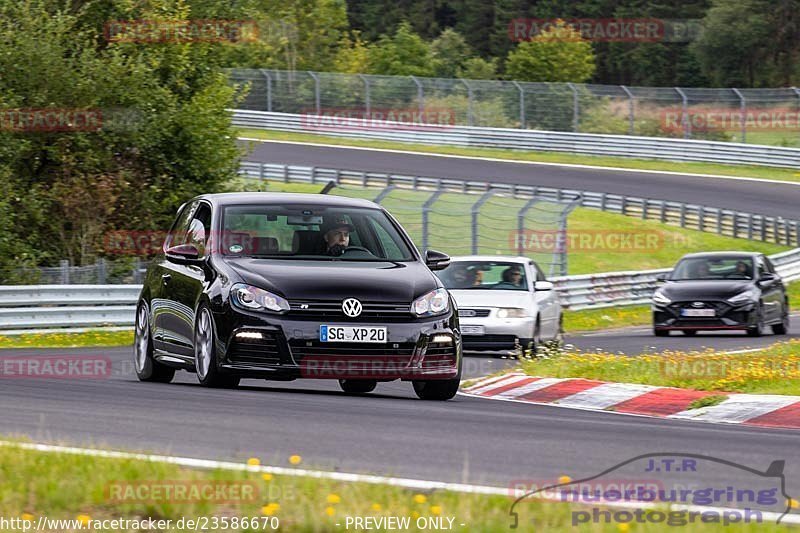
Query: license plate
point(472, 330)
point(698, 312)
point(352, 334)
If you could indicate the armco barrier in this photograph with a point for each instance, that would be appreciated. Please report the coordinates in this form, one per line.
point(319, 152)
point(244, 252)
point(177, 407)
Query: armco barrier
point(553, 141)
point(65, 306)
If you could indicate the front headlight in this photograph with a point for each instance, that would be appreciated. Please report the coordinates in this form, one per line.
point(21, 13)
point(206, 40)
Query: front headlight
point(744, 297)
point(660, 299)
point(255, 299)
point(512, 312)
point(435, 302)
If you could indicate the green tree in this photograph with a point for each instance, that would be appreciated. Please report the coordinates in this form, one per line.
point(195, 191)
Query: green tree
point(557, 54)
point(450, 50)
point(477, 68)
point(401, 54)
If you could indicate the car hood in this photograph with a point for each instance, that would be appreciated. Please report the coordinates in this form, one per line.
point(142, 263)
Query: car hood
point(703, 290)
point(490, 298)
point(332, 280)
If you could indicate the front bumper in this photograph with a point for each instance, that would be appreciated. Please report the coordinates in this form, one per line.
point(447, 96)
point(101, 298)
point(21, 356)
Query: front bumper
point(498, 333)
point(290, 347)
point(726, 316)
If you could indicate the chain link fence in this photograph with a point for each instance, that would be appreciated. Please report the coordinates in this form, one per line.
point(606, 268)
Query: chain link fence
point(757, 116)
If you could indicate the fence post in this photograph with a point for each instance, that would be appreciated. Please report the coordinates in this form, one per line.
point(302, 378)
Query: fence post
point(367, 102)
point(137, 267)
point(267, 75)
point(743, 111)
point(101, 271)
point(797, 92)
point(521, 104)
point(687, 132)
point(521, 224)
point(631, 122)
point(420, 95)
point(383, 194)
point(64, 264)
point(426, 207)
point(316, 91)
point(470, 120)
point(476, 207)
point(575, 109)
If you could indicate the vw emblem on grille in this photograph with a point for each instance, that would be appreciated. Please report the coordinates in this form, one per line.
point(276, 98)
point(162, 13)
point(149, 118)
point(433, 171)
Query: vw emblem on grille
point(698, 304)
point(351, 307)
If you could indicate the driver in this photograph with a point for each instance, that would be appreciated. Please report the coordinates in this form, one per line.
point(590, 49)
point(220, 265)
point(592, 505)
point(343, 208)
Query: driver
point(743, 269)
point(336, 236)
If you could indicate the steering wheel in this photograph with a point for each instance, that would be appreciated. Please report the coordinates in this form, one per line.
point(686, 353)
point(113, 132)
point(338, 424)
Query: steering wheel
point(356, 249)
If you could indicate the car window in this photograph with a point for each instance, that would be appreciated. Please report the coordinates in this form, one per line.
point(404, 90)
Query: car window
point(500, 275)
point(200, 228)
point(769, 265)
point(711, 268)
point(311, 232)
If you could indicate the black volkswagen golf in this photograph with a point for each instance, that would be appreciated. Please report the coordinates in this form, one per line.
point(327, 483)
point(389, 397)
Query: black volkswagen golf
point(285, 286)
point(719, 291)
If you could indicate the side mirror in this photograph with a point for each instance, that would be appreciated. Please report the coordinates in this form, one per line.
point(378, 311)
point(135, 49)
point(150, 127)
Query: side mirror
point(768, 277)
point(437, 260)
point(183, 254)
point(543, 286)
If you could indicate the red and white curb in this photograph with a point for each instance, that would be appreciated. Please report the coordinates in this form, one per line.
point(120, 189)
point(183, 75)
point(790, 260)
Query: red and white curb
point(764, 410)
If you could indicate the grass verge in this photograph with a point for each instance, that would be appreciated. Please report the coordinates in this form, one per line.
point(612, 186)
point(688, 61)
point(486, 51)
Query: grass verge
point(752, 171)
point(79, 488)
point(773, 370)
point(84, 339)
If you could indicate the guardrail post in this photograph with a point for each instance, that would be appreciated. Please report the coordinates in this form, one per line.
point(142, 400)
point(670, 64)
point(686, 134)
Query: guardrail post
point(316, 91)
point(476, 207)
point(367, 96)
point(645, 204)
point(743, 111)
point(687, 131)
point(631, 121)
point(662, 216)
point(701, 218)
point(575, 108)
point(521, 104)
point(749, 226)
point(735, 224)
point(267, 75)
point(286, 173)
point(603, 201)
point(64, 264)
point(420, 95)
point(763, 227)
point(682, 219)
point(796, 233)
point(426, 207)
point(786, 236)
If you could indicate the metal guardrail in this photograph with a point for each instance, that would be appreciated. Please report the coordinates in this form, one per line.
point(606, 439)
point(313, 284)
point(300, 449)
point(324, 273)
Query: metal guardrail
point(726, 222)
point(51, 306)
point(555, 141)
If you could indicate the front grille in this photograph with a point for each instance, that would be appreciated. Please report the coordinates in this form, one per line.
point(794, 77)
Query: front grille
point(256, 352)
point(333, 309)
point(302, 349)
point(468, 313)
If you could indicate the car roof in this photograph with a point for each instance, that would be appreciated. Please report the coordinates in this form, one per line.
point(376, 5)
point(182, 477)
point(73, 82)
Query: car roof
point(284, 198)
point(506, 258)
point(723, 254)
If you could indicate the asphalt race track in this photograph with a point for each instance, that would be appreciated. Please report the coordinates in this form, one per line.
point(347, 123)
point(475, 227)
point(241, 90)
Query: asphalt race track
point(388, 432)
point(769, 198)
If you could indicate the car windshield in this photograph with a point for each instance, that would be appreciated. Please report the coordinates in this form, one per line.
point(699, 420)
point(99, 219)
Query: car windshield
point(311, 232)
point(496, 275)
point(713, 268)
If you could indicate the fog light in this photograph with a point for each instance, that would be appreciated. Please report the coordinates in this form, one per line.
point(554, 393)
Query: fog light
point(443, 339)
point(249, 335)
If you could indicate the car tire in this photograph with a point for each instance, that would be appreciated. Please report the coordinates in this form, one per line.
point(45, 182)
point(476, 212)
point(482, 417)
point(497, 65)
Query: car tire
point(439, 390)
point(358, 386)
point(689, 332)
point(205, 353)
point(758, 329)
point(147, 368)
point(783, 327)
point(661, 332)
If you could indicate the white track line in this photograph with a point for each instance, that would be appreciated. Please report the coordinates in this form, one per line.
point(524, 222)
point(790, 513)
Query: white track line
point(530, 387)
point(357, 478)
point(523, 162)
